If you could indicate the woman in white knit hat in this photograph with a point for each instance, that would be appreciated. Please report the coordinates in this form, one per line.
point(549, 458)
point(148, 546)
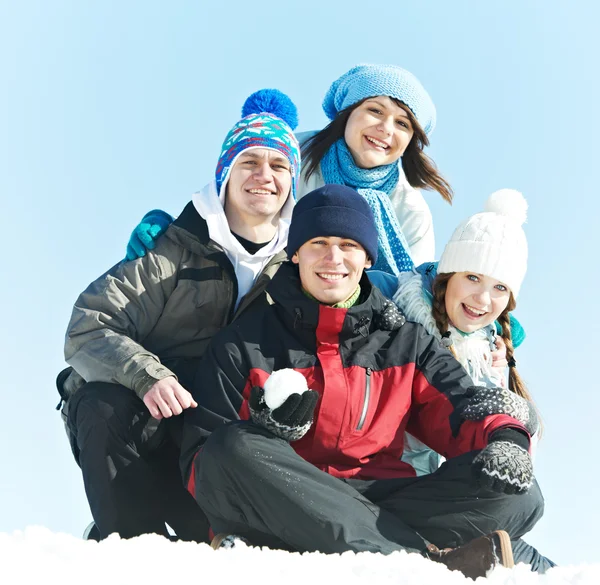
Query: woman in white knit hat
point(478, 279)
point(479, 276)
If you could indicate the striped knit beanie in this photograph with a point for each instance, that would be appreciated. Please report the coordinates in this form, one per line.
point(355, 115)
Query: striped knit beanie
point(268, 120)
point(364, 81)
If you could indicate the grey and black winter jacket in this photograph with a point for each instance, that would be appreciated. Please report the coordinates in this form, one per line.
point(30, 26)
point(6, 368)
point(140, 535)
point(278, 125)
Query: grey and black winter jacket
point(162, 307)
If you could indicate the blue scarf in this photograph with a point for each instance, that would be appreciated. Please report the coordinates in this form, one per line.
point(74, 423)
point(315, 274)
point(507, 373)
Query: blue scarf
point(375, 185)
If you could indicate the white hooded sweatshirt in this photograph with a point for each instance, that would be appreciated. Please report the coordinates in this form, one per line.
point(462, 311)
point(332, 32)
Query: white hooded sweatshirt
point(246, 266)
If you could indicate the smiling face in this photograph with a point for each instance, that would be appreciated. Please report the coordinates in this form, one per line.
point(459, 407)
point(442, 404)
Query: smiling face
point(474, 300)
point(331, 267)
point(378, 132)
point(258, 186)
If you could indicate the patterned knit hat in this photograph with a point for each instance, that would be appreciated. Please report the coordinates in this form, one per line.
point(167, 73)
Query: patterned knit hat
point(492, 243)
point(337, 211)
point(268, 120)
point(364, 81)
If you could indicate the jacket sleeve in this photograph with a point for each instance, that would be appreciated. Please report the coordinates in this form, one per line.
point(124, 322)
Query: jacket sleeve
point(111, 318)
point(439, 387)
point(218, 389)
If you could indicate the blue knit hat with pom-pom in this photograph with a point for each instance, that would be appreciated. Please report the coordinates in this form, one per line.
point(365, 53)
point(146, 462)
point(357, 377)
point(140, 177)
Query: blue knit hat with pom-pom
point(365, 81)
point(268, 120)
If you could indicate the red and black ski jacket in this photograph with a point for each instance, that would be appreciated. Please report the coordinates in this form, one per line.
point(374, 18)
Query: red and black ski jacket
point(374, 383)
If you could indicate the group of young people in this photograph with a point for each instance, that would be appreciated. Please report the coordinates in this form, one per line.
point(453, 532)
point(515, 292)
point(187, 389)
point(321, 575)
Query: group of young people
point(288, 347)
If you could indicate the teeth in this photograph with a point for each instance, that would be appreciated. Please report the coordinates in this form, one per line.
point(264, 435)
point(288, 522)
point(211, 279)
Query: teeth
point(474, 310)
point(377, 142)
point(259, 191)
point(331, 276)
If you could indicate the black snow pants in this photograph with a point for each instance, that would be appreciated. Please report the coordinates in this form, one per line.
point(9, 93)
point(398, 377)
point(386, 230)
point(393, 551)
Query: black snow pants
point(130, 465)
point(253, 484)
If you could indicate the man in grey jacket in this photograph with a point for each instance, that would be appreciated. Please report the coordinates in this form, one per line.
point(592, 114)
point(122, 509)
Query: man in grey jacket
point(137, 333)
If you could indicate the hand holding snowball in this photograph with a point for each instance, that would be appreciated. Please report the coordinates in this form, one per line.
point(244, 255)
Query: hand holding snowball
point(285, 406)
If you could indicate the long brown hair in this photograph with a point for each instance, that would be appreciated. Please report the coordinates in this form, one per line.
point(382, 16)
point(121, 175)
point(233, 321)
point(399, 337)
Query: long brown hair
point(421, 172)
point(439, 313)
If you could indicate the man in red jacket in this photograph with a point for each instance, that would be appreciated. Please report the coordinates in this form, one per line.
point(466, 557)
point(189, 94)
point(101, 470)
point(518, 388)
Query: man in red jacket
point(316, 465)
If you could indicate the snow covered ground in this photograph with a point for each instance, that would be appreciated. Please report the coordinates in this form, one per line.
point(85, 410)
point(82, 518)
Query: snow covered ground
point(38, 556)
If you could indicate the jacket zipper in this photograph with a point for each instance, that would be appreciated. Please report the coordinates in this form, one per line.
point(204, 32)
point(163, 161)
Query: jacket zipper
point(365, 408)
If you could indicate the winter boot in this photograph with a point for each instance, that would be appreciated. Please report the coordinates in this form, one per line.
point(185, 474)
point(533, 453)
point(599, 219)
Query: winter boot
point(477, 557)
point(228, 541)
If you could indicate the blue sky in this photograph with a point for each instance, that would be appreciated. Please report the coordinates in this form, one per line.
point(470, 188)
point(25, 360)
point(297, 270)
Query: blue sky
point(110, 109)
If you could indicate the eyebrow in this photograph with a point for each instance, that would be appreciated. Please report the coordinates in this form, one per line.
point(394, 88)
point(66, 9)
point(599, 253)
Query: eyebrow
point(256, 156)
point(404, 113)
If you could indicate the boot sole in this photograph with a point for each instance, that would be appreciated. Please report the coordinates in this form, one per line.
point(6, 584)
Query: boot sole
point(505, 549)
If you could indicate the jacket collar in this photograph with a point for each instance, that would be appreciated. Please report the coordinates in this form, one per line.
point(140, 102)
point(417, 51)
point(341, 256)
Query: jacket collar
point(190, 221)
point(301, 312)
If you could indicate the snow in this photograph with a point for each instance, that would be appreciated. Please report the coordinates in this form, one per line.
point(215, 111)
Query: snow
point(36, 555)
point(281, 384)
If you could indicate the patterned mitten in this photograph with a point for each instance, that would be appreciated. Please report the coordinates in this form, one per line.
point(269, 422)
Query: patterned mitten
point(144, 235)
point(391, 317)
point(290, 421)
point(482, 402)
point(505, 465)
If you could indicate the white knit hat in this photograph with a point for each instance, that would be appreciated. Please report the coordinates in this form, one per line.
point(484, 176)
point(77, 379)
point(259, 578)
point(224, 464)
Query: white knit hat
point(492, 243)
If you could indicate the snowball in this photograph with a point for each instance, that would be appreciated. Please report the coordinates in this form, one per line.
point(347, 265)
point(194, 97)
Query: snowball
point(281, 384)
point(508, 202)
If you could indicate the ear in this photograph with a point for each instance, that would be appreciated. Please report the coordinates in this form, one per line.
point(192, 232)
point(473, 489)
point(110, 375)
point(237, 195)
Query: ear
point(295, 258)
point(368, 263)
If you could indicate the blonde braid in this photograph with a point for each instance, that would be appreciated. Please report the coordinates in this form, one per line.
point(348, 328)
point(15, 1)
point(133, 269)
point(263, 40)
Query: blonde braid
point(515, 382)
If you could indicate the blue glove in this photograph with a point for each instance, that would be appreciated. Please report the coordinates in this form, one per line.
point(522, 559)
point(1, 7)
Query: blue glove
point(517, 333)
point(144, 235)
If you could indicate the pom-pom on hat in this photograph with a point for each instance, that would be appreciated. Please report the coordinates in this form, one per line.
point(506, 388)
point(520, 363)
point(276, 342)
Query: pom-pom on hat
point(492, 243)
point(364, 81)
point(268, 120)
point(337, 211)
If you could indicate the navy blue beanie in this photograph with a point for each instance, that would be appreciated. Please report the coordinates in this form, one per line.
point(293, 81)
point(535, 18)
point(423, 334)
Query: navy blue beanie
point(333, 210)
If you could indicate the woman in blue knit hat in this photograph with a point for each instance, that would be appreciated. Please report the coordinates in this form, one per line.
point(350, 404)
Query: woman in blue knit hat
point(381, 118)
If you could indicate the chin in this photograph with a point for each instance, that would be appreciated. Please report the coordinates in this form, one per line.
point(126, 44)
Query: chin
point(329, 299)
point(373, 162)
point(468, 327)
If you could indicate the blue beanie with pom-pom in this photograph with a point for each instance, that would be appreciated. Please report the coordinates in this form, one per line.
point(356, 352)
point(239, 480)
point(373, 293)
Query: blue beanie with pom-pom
point(268, 120)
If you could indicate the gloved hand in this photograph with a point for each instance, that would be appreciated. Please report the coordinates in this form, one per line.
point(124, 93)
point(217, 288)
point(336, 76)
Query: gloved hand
point(290, 421)
point(144, 235)
point(517, 331)
point(505, 465)
point(481, 402)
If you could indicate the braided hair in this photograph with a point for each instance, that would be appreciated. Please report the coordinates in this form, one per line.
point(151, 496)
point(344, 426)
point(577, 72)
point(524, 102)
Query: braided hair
point(515, 382)
point(438, 306)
